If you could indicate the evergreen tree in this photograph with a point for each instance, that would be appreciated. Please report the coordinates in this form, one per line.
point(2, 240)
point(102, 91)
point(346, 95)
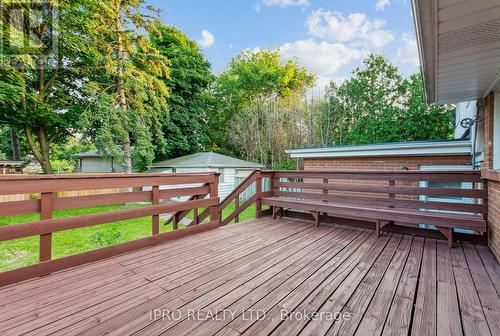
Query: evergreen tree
point(129, 93)
point(185, 127)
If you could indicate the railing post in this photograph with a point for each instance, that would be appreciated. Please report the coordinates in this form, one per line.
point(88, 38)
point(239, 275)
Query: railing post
point(258, 192)
point(46, 208)
point(175, 222)
point(214, 192)
point(195, 215)
point(484, 186)
point(392, 196)
point(271, 183)
point(325, 192)
point(155, 219)
point(236, 208)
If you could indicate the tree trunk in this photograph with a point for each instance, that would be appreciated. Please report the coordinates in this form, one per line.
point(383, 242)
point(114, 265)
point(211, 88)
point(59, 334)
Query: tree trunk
point(127, 155)
point(45, 150)
point(14, 144)
point(41, 151)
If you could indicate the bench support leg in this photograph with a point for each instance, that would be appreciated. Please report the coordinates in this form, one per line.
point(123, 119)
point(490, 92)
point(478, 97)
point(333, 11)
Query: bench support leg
point(379, 225)
point(316, 217)
point(276, 210)
point(448, 233)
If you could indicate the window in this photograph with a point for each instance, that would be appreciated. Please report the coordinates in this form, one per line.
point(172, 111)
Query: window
point(496, 131)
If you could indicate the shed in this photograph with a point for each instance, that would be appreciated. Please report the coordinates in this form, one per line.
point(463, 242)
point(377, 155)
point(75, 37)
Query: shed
point(11, 166)
point(232, 170)
point(94, 162)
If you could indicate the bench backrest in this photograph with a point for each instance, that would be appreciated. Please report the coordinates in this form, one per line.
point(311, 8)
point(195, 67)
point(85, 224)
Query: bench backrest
point(442, 191)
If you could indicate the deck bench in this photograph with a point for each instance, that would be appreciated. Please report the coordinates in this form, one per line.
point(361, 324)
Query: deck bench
point(444, 222)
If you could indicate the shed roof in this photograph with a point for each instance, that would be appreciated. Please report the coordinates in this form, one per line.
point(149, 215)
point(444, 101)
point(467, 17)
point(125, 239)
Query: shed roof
point(90, 153)
point(206, 159)
point(13, 163)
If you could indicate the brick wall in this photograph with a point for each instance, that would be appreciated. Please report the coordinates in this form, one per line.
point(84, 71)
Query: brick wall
point(494, 217)
point(379, 163)
point(383, 163)
point(493, 179)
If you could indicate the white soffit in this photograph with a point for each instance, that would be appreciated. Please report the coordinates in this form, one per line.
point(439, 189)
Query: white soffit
point(459, 45)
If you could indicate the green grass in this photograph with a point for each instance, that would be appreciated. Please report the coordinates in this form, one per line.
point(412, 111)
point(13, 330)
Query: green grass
point(247, 214)
point(22, 252)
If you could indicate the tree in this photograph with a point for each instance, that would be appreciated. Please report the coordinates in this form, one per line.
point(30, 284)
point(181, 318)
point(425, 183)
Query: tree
point(258, 96)
point(185, 127)
point(40, 84)
point(12, 146)
point(424, 121)
point(377, 104)
point(129, 94)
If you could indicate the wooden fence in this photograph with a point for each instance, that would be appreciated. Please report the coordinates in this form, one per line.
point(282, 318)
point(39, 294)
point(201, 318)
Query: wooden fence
point(48, 187)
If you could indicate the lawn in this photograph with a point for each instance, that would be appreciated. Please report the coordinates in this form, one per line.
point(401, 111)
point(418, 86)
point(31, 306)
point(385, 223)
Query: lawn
point(249, 212)
point(22, 252)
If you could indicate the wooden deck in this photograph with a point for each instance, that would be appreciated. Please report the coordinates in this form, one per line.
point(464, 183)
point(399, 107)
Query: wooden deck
point(263, 277)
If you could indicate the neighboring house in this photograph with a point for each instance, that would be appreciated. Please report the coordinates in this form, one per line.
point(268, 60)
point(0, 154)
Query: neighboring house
point(11, 167)
point(459, 48)
point(232, 171)
point(94, 162)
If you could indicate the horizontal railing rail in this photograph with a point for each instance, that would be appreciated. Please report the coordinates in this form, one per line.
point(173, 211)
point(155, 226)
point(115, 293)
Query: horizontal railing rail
point(374, 175)
point(253, 179)
point(451, 192)
point(458, 191)
point(447, 192)
point(153, 189)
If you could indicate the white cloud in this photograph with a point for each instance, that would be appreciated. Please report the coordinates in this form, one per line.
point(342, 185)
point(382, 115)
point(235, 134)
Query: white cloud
point(207, 39)
point(381, 4)
point(322, 58)
point(285, 3)
point(356, 29)
point(408, 52)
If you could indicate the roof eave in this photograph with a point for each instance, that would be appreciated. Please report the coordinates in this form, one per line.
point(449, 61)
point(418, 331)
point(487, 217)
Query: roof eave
point(403, 149)
point(425, 21)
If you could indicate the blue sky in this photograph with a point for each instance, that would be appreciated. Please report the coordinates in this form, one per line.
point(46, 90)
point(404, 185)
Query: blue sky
point(329, 37)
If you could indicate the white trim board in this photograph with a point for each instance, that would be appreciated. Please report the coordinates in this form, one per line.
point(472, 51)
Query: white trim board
point(446, 148)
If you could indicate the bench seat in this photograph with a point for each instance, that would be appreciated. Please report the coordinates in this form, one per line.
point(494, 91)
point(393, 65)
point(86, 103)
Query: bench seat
point(445, 222)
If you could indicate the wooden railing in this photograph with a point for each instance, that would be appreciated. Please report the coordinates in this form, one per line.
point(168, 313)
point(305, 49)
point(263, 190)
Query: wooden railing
point(403, 201)
point(399, 190)
point(47, 186)
point(391, 189)
point(252, 181)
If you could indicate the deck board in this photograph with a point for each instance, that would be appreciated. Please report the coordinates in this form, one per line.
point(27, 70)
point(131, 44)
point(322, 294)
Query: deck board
point(264, 268)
